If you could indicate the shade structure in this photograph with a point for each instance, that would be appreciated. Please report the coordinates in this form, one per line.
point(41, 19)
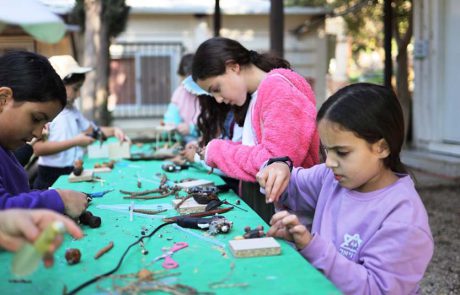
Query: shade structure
point(34, 17)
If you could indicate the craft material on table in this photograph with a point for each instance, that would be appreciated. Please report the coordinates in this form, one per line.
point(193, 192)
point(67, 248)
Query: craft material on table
point(193, 183)
point(255, 247)
point(200, 236)
point(86, 175)
point(188, 206)
point(137, 209)
point(168, 262)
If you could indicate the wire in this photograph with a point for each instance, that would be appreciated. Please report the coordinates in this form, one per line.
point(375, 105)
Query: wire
point(97, 278)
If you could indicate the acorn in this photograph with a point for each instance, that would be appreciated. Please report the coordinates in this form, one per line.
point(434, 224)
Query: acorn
point(87, 218)
point(72, 256)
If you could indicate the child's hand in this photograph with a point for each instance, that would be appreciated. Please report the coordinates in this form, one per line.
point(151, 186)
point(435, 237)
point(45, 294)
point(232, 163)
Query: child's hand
point(18, 226)
point(274, 179)
point(287, 226)
point(75, 202)
point(183, 128)
point(120, 135)
point(189, 152)
point(83, 140)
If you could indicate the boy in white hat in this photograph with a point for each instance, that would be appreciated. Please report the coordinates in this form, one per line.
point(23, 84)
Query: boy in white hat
point(70, 131)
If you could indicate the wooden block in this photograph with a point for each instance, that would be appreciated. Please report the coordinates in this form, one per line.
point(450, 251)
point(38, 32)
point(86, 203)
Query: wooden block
point(98, 151)
point(189, 206)
point(255, 247)
point(193, 183)
point(86, 175)
point(119, 150)
point(102, 170)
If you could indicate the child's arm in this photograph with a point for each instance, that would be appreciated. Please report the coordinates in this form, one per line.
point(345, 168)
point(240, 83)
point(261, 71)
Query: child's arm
point(43, 148)
point(287, 131)
point(63, 201)
point(393, 261)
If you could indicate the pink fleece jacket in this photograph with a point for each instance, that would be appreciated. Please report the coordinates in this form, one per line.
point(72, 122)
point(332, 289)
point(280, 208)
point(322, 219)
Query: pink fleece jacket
point(284, 121)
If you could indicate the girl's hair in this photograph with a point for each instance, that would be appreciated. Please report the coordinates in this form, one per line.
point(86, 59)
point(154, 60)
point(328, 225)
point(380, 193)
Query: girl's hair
point(185, 65)
point(371, 112)
point(31, 78)
point(213, 55)
point(212, 117)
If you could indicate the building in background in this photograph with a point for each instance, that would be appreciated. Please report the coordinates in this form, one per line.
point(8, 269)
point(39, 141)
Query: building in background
point(436, 99)
point(146, 55)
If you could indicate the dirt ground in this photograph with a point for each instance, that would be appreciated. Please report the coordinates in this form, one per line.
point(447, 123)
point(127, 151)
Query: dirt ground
point(443, 205)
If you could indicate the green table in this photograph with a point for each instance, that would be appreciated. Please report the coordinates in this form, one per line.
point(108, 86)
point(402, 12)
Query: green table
point(203, 265)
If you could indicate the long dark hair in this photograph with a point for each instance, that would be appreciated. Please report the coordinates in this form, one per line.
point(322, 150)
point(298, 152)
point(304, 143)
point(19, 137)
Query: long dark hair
point(211, 59)
point(31, 78)
point(371, 112)
point(212, 117)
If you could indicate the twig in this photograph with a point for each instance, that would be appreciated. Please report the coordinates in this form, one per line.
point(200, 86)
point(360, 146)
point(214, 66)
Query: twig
point(182, 201)
point(132, 197)
point(104, 250)
point(149, 212)
point(200, 214)
point(141, 193)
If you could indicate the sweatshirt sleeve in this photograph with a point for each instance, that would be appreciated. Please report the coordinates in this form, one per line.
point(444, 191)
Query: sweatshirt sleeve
point(393, 261)
point(47, 199)
point(287, 131)
point(303, 189)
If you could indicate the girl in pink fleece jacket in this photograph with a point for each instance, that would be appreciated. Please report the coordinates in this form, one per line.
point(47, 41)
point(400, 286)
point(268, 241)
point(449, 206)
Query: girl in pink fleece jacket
point(275, 106)
point(370, 232)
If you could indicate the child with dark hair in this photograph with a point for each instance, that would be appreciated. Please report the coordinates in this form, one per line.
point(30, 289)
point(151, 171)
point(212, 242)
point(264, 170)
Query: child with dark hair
point(70, 131)
point(370, 231)
point(183, 110)
point(274, 105)
point(31, 95)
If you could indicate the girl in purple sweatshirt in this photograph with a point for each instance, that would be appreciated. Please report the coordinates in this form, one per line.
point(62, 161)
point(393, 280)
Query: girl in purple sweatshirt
point(31, 95)
point(369, 233)
point(275, 106)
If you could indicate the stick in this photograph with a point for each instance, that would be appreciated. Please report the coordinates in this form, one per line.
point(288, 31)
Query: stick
point(141, 192)
point(104, 250)
point(132, 197)
point(149, 212)
point(200, 214)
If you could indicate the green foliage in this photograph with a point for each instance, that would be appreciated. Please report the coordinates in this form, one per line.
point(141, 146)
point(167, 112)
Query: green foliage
point(115, 15)
point(364, 18)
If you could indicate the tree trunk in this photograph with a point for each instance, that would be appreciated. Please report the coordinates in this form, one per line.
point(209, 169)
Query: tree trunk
point(402, 86)
point(95, 91)
point(402, 73)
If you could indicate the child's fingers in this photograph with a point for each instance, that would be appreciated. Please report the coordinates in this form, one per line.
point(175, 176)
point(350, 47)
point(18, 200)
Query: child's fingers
point(260, 177)
point(48, 259)
point(28, 228)
point(277, 189)
point(278, 216)
point(290, 220)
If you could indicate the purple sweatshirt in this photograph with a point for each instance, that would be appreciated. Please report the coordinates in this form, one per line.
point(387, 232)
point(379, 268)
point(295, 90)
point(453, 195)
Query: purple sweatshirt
point(365, 243)
point(15, 191)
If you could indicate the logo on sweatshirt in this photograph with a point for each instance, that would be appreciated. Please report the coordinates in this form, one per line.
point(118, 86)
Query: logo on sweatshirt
point(350, 245)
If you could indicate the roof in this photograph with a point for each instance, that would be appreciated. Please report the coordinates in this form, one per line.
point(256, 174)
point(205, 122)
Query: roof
point(228, 7)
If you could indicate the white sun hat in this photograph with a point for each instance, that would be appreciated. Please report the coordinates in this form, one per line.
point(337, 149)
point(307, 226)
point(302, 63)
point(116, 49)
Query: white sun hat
point(66, 65)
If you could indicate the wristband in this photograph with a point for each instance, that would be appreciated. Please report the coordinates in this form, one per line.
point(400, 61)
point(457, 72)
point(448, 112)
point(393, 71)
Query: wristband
point(285, 160)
